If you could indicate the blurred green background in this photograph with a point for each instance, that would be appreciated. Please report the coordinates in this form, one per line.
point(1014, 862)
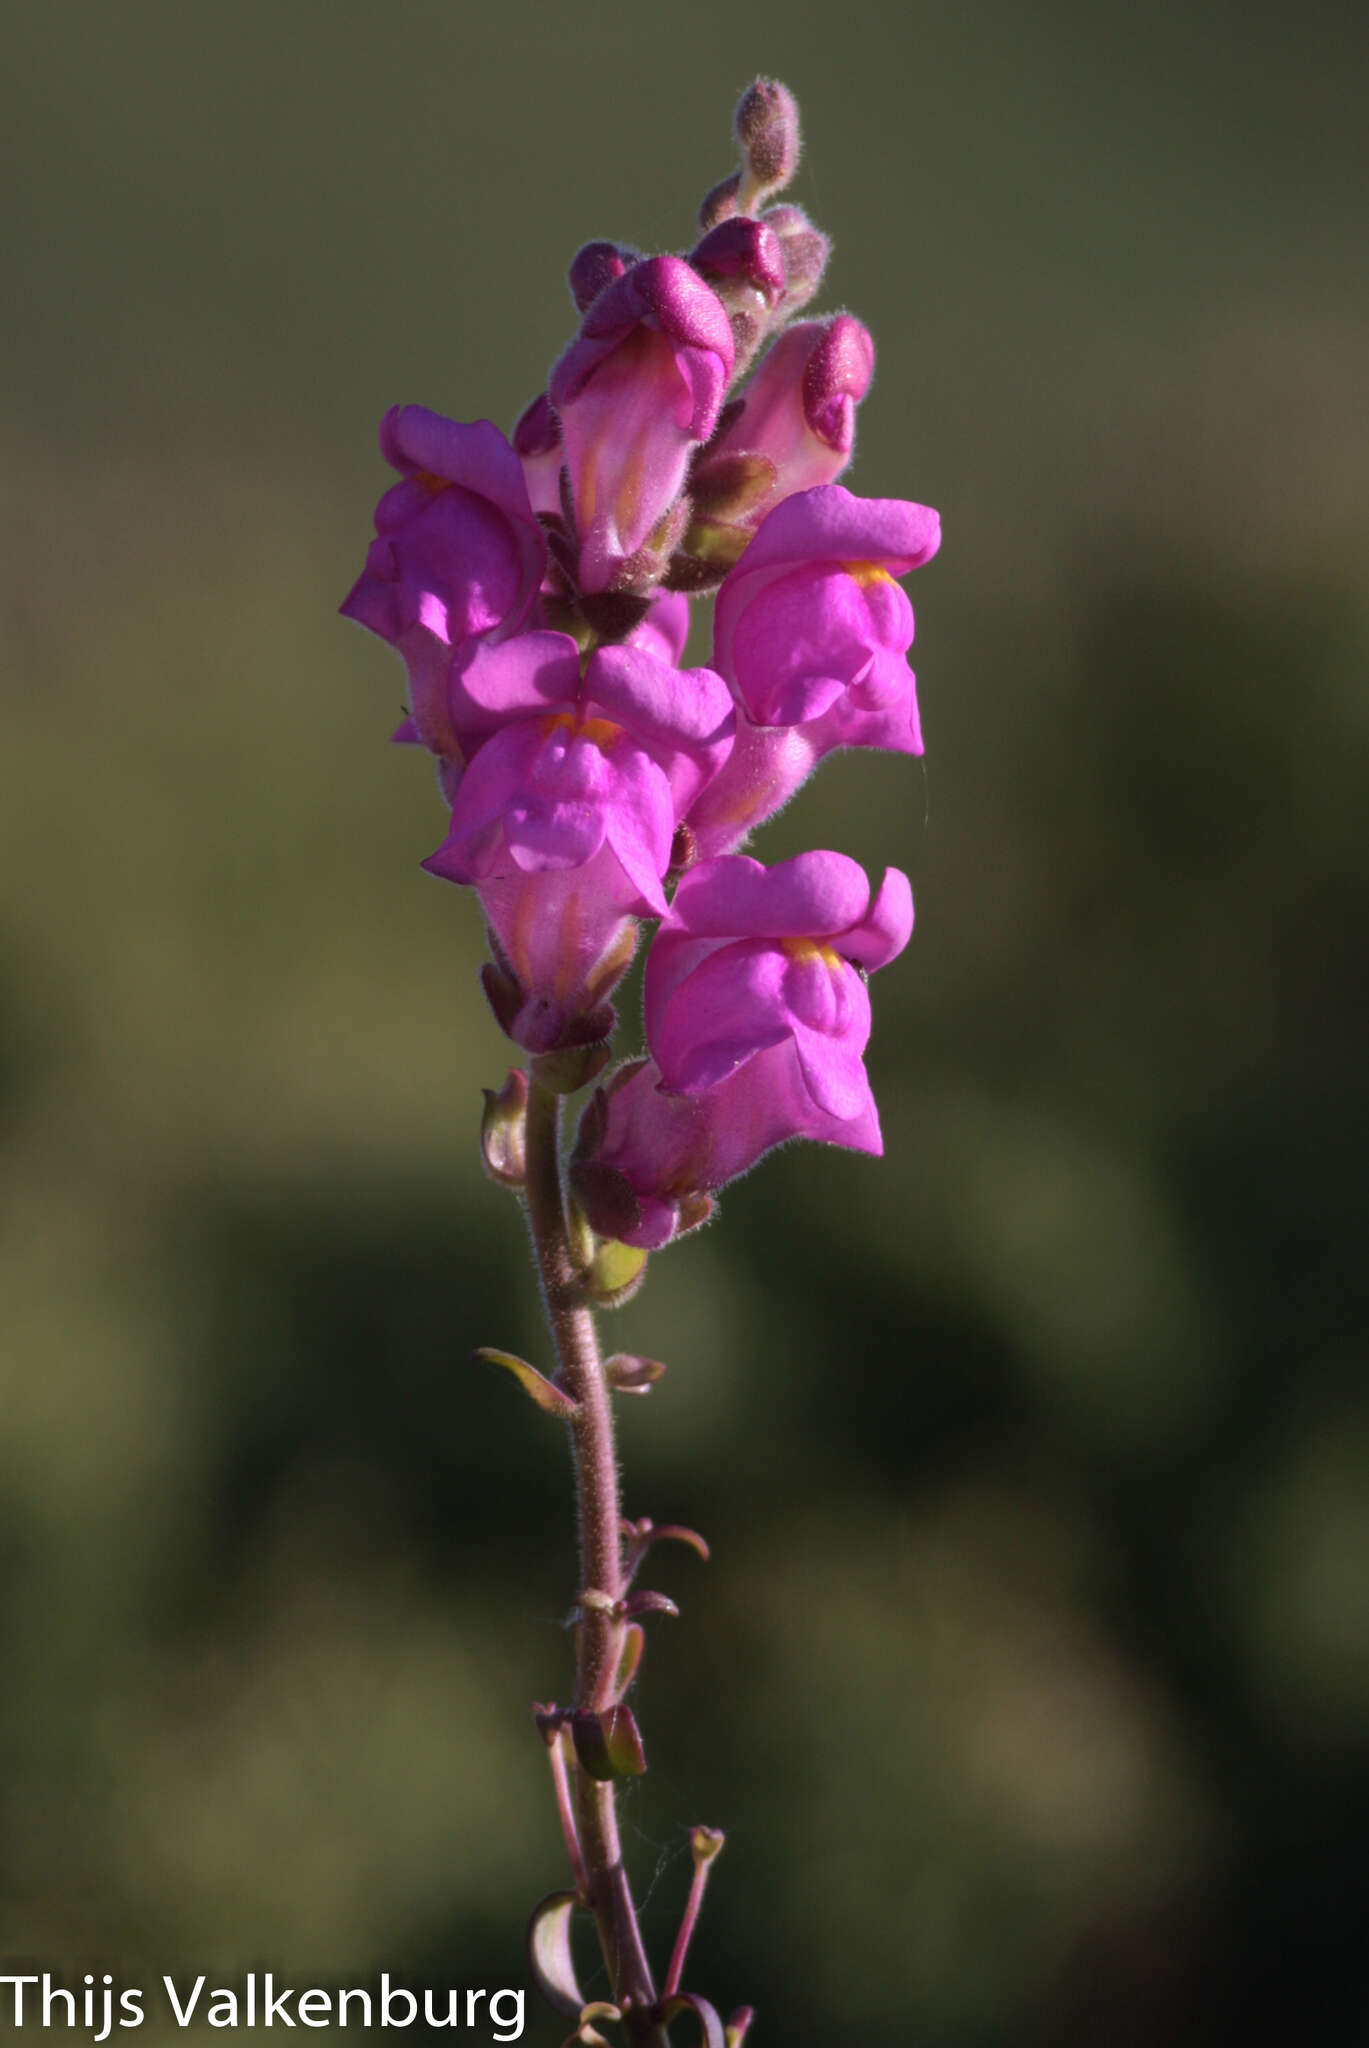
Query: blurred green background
point(1031, 1676)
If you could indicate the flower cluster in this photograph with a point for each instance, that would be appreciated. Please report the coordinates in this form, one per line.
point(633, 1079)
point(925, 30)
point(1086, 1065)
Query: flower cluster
point(689, 440)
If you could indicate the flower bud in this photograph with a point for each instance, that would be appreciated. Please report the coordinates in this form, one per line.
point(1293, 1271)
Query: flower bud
point(720, 203)
point(805, 251)
point(741, 250)
point(593, 269)
point(743, 262)
point(637, 391)
point(766, 125)
point(503, 1131)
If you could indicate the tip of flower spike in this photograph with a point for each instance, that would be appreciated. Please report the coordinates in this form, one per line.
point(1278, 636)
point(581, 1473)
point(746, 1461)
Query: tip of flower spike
point(720, 201)
point(766, 125)
point(805, 251)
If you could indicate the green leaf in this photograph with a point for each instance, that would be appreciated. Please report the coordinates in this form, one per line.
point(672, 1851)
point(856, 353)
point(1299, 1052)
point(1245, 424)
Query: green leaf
point(551, 1399)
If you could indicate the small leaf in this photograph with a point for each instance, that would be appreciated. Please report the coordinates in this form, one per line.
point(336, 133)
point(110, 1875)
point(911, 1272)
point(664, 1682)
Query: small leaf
point(716, 544)
point(552, 1400)
point(634, 1642)
point(650, 1603)
point(710, 2026)
point(549, 1957)
point(627, 1374)
point(675, 1532)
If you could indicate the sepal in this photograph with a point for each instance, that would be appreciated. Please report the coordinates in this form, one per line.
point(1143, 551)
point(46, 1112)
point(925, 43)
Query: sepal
point(739, 2025)
point(571, 1068)
point(619, 1270)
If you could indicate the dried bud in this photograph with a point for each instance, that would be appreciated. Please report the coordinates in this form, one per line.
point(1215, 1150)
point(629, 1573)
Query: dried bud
point(502, 1131)
point(721, 202)
point(766, 125)
point(594, 268)
point(805, 251)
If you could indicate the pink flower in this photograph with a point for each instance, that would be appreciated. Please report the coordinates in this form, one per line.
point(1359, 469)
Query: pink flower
point(811, 632)
point(799, 410)
point(811, 621)
point(564, 822)
point(636, 393)
point(757, 1017)
point(457, 551)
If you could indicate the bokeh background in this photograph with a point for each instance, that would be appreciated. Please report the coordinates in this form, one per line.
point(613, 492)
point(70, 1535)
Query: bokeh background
point(1031, 1676)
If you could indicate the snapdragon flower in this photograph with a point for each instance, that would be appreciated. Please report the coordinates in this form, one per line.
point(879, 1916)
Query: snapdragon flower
point(757, 1019)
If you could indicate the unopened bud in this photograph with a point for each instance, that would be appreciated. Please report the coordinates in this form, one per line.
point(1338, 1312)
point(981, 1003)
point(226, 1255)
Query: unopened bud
point(836, 378)
point(805, 251)
point(593, 269)
point(766, 125)
point(503, 1131)
point(721, 202)
point(741, 251)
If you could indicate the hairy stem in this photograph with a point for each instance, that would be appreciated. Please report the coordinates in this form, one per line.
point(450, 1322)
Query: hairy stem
point(599, 1635)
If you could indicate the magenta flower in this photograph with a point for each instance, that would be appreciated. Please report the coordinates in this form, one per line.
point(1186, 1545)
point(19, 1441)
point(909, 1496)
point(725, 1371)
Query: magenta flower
point(799, 410)
point(636, 392)
point(811, 621)
point(757, 1017)
point(811, 632)
point(564, 821)
point(457, 551)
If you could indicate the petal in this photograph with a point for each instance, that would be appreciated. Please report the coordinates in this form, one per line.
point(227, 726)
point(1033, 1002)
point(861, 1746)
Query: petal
point(732, 1006)
point(834, 1074)
point(882, 936)
point(488, 684)
point(686, 707)
point(814, 895)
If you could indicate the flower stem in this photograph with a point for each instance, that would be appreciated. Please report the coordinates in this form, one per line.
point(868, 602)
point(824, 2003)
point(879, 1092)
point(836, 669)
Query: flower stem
point(599, 1633)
